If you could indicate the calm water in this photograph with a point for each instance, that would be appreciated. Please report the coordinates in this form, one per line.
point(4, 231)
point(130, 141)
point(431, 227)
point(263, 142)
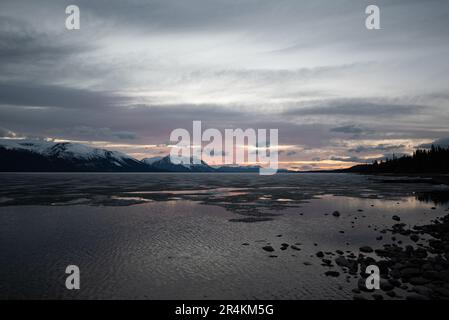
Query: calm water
point(181, 236)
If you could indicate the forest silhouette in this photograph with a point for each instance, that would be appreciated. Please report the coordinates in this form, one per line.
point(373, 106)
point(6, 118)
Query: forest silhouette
point(432, 160)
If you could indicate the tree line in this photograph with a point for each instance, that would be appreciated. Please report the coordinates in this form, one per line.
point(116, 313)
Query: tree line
point(432, 160)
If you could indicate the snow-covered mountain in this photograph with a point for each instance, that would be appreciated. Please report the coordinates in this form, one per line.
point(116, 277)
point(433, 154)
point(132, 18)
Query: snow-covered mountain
point(28, 155)
point(186, 165)
point(43, 155)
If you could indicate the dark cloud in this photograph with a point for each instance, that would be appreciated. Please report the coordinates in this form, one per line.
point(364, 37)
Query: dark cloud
point(21, 43)
point(442, 142)
point(90, 133)
point(137, 70)
point(27, 94)
point(357, 159)
point(287, 153)
point(368, 159)
point(356, 108)
point(351, 129)
point(376, 148)
point(349, 159)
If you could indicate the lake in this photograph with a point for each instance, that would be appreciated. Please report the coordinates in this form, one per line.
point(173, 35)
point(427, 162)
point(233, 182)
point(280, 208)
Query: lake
point(196, 236)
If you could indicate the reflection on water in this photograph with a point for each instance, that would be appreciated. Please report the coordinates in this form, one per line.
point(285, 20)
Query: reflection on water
point(198, 236)
point(249, 195)
point(435, 196)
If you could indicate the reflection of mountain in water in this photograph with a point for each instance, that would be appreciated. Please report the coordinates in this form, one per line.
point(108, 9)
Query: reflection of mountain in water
point(436, 196)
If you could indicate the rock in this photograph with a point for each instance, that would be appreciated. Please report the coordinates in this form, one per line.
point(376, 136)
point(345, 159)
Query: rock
point(410, 272)
point(332, 273)
point(245, 244)
point(366, 249)
point(391, 294)
point(394, 282)
point(379, 238)
point(420, 253)
point(396, 218)
point(360, 210)
point(424, 291)
point(320, 254)
point(431, 275)
point(284, 246)
point(361, 285)
point(295, 247)
point(273, 256)
point(414, 237)
point(378, 296)
point(386, 285)
point(336, 214)
point(418, 281)
point(327, 262)
point(342, 261)
point(306, 263)
point(268, 248)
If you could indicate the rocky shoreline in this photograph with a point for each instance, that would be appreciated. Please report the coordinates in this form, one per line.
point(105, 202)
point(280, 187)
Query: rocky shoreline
point(414, 265)
point(419, 272)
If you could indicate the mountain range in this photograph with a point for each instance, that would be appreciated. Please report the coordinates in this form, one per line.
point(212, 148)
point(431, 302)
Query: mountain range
point(34, 155)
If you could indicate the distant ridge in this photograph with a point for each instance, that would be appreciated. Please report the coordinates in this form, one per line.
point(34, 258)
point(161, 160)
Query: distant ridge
point(34, 155)
point(187, 165)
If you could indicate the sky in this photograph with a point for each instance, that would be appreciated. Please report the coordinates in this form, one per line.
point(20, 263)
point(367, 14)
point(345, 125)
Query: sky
point(338, 93)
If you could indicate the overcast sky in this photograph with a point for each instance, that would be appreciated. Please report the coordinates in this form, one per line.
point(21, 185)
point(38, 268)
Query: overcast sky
point(136, 70)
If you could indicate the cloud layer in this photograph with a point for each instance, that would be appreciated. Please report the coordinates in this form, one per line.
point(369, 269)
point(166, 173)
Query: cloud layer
point(337, 92)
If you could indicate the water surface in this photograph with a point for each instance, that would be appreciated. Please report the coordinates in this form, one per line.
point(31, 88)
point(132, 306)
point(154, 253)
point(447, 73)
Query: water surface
point(195, 236)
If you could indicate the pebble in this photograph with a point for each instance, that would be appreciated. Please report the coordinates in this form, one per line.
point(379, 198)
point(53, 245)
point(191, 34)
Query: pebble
point(336, 214)
point(366, 249)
